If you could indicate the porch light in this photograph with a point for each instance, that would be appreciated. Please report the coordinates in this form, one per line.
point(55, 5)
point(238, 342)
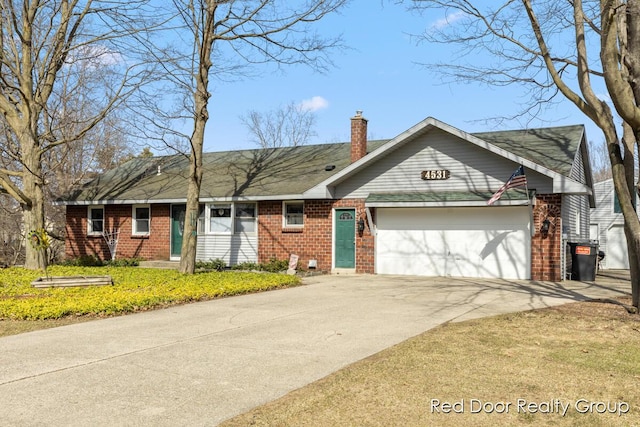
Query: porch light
point(545, 226)
point(360, 225)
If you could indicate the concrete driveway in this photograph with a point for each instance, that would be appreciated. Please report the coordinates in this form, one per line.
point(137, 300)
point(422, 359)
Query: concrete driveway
point(202, 363)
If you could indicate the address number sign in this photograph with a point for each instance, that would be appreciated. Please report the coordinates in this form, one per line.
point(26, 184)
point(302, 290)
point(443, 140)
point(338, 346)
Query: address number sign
point(435, 174)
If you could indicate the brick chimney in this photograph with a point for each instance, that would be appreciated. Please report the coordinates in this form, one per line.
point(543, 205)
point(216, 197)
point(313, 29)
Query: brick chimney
point(358, 136)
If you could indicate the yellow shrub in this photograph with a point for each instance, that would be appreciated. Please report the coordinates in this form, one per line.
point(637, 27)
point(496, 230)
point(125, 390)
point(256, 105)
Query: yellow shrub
point(134, 289)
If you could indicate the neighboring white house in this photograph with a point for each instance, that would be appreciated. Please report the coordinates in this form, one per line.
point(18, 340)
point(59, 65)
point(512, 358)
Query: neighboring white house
point(607, 227)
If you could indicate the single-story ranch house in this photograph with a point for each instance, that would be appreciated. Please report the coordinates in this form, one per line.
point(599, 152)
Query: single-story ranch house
point(415, 204)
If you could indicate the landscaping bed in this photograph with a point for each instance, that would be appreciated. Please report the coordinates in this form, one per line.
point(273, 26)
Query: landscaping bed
point(134, 289)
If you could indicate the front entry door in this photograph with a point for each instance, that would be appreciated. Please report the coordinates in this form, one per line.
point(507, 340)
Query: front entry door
point(345, 243)
point(177, 227)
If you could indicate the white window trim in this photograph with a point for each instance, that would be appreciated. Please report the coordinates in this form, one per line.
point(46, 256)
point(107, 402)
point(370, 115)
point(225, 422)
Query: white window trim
point(232, 229)
point(134, 231)
point(284, 214)
point(90, 231)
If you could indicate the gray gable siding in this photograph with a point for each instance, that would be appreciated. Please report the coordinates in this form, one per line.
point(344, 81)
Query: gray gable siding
point(472, 169)
point(574, 206)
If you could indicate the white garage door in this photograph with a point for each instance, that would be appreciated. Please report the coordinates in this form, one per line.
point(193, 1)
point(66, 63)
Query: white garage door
point(461, 242)
point(616, 255)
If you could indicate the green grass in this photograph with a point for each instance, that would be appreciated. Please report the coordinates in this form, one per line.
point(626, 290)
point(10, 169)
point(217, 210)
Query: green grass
point(134, 289)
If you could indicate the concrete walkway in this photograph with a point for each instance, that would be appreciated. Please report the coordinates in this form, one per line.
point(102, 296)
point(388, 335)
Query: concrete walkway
point(199, 364)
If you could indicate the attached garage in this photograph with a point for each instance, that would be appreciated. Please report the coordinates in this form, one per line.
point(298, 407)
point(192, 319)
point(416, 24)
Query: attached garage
point(491, 242)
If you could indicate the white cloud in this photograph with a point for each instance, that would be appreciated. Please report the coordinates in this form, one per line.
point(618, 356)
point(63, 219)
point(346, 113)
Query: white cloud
point(314, 104)
point(95, 56)
point(448, 20)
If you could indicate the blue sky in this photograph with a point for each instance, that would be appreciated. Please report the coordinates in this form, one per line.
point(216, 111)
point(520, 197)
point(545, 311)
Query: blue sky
point(380, 75)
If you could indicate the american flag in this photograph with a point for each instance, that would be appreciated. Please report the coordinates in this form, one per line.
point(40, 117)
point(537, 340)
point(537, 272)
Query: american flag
point(517, 179)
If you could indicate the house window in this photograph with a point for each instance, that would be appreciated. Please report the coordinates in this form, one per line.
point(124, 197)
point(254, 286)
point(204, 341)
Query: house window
point(245, 218)
point(293, 214)
point(202, 218)
point(141, 220)
point(95, 220)
point(616, 202)
point(220, 218)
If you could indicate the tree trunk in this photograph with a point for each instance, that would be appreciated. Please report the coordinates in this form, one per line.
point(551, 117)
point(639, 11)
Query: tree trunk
point(201, 116)
point(190, 235)
point(632, 64)
point(33, 213)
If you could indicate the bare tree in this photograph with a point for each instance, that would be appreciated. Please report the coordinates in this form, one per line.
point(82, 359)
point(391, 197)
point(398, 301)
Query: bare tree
point(600, 164)
point(46, 44)
point(229, 37)
point(574, 49)
point(288, 126)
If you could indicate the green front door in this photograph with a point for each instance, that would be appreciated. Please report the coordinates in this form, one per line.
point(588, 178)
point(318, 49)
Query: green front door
point(177, 227)
point(345, 243)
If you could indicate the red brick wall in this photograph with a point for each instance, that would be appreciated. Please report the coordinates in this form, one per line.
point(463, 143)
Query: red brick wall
point(314, 240)
point(155, 246)
point(546, 261)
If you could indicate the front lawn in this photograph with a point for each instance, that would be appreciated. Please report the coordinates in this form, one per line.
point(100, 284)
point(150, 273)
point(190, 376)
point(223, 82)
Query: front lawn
point(572, 365)
point(134, 289)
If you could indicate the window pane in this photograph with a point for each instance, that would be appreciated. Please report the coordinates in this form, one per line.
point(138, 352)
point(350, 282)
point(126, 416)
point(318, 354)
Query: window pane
point(96, 220)
point(201, 219)
point(142, 213)
point(97, 213)
point(245, 225)
point(97, 226)
point(220, 218)
point(245, 210)
point(142, 226)
point(220, 225)
point(245, 218)
point(294, 214)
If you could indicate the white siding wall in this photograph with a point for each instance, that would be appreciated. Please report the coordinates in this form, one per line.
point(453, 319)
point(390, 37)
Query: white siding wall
point(604, 216)
point(472, 168)
point(232, 248)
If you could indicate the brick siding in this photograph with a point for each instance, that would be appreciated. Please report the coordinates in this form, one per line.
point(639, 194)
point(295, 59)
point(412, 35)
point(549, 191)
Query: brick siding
point(155, 246)
point(546, 261)
point(315, 239)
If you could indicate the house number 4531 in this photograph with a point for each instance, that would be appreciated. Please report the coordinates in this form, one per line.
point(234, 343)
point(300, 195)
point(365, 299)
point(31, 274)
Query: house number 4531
point(435, 174)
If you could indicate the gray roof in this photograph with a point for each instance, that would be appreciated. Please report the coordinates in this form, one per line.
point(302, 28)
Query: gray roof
point(289, 171)
point(258, 173)
point(554, 148)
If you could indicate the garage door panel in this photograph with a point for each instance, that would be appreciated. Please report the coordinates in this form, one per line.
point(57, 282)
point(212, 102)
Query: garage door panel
point(442, 242)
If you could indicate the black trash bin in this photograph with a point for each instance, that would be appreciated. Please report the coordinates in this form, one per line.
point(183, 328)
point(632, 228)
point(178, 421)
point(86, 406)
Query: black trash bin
point(584, 256)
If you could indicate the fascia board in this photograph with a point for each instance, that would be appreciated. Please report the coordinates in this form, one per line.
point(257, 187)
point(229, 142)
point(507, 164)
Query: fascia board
point(444, 204)
point(170, 201)
point(565, 185)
